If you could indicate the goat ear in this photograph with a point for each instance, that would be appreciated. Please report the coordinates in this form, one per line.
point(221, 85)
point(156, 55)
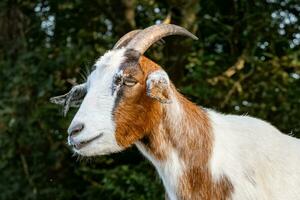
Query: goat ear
point(158, 86)
point(71, 99)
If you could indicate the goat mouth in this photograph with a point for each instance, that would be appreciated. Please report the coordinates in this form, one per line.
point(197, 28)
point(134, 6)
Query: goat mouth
point(82, 144)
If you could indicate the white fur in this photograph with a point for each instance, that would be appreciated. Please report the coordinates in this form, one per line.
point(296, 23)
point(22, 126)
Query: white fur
point(169, 170)
point(158, 76)
point(96, 109)
point(261, 162)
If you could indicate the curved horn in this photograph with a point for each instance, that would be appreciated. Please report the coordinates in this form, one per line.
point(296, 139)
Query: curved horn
point(143, 40)
point(123, 41)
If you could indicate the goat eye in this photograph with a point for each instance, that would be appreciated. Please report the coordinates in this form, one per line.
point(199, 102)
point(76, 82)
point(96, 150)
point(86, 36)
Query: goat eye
point(118, 80)
point(130, 82)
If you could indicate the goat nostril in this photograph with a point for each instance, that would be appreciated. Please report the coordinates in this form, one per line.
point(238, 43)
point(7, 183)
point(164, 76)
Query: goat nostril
point(76, 129)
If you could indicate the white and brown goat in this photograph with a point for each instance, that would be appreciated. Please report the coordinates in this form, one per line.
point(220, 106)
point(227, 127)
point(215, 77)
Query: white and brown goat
point(198, 153)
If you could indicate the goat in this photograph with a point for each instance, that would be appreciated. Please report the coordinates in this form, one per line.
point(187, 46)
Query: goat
point(198, 153)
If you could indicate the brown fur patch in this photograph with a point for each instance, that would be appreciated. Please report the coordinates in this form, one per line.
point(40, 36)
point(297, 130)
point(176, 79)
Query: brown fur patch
point(136, 114)
point(197, 183)
point(194, 142)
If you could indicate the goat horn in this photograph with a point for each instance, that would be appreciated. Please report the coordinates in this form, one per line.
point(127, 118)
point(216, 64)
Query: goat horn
point(144, 39)
point(123, 41)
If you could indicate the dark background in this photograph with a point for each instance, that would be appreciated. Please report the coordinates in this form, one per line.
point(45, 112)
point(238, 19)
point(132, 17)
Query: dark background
point(246, 61)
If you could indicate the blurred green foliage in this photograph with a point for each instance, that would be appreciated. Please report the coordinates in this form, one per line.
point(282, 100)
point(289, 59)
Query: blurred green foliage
point(245, 62)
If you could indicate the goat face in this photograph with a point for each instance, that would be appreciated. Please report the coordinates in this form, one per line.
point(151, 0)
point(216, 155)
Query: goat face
point(121, 100)
point(121, 103)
